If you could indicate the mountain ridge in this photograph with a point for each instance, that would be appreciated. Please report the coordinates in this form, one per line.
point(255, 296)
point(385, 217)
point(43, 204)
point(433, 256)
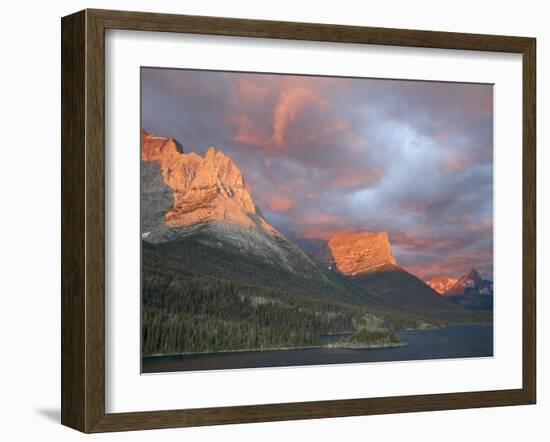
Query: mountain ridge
point(470, 291)
point(188, 178)
point(366, 258)
point(441, 283)
point(471, 280)
point(211, 259)
point(357, 252)
point(204, 188)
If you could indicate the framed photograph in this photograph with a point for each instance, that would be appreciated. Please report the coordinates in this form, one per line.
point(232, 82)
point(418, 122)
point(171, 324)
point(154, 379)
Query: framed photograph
point(270, 220)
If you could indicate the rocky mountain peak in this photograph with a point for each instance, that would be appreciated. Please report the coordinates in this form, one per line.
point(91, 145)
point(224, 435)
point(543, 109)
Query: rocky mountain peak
point(441, 283)
point(211, 153)
point(357, 252)
point(209, 188)
point(471, 283)
point(473, 275)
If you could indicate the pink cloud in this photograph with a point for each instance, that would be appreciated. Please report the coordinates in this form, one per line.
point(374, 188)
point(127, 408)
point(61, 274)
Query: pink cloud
point(442, 136)
point(413, 242)
point(290, 185)
point(457, 164)
point(336, 126)
point(354, 178)
point(485, 225)
point(245, 131)
point(452, 258)
point(293, 98)
point(454, 265)
point(320, 226)
point(415, 207)
point(250, 90)
point(277, 203)
point(478, 104)
point(463, 217)
point(318, 233)
point(268, 107)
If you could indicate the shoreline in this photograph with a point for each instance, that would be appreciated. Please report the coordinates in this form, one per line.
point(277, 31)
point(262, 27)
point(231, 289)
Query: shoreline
point(449, 324)
point(365, 346)
point(342, 345)
point(254, 350)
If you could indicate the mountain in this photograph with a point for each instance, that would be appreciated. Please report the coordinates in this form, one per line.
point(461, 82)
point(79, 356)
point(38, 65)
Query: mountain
point(217, 276)
point(356, 252)
point(399, 290)
point(204, 202)
point(471, 282)
point(203, 189)
point(367, 260)
point(441, 283)
point(472, 292)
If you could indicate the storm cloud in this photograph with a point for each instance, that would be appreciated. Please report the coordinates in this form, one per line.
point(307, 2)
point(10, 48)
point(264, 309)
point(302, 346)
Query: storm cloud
point(325, 154)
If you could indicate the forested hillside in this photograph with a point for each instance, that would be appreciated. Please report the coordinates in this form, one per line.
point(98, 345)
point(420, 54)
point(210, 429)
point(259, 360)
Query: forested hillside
point(187, 308)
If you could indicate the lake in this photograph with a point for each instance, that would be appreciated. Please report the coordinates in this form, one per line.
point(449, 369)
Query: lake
point(454, 341)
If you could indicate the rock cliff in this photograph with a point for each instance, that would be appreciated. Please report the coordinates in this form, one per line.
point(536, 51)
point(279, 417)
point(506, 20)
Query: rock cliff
point(357, 252)
point(209, 188)
point(186, 197)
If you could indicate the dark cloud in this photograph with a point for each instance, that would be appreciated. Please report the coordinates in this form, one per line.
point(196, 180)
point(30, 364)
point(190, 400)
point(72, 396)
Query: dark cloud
point(323, 154)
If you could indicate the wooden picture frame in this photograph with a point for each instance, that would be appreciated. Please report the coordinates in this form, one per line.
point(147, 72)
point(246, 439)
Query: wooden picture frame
point(83, 220)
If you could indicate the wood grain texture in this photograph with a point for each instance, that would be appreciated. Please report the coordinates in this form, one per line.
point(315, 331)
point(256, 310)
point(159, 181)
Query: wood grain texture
point(529, 220)
point(145, 21)
point(95, 221)
point(83, 220)
point(73, 256)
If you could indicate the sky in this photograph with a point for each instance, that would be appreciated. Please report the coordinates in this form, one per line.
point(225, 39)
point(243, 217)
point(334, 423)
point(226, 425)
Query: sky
point(327, 154)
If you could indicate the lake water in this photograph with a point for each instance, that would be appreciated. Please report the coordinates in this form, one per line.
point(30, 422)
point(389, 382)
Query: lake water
point(454, 341)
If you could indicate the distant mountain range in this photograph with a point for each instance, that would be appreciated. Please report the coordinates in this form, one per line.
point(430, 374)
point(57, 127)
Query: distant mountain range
point(216, 275)
point(441, 283)
point(470, 291)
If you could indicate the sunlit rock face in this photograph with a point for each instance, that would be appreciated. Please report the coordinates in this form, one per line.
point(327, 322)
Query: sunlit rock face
point(357, 252)
point(203, 200)
point(209, 188)
point(441, 283)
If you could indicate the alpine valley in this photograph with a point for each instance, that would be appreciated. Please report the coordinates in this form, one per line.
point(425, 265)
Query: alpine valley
point(218, 277)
